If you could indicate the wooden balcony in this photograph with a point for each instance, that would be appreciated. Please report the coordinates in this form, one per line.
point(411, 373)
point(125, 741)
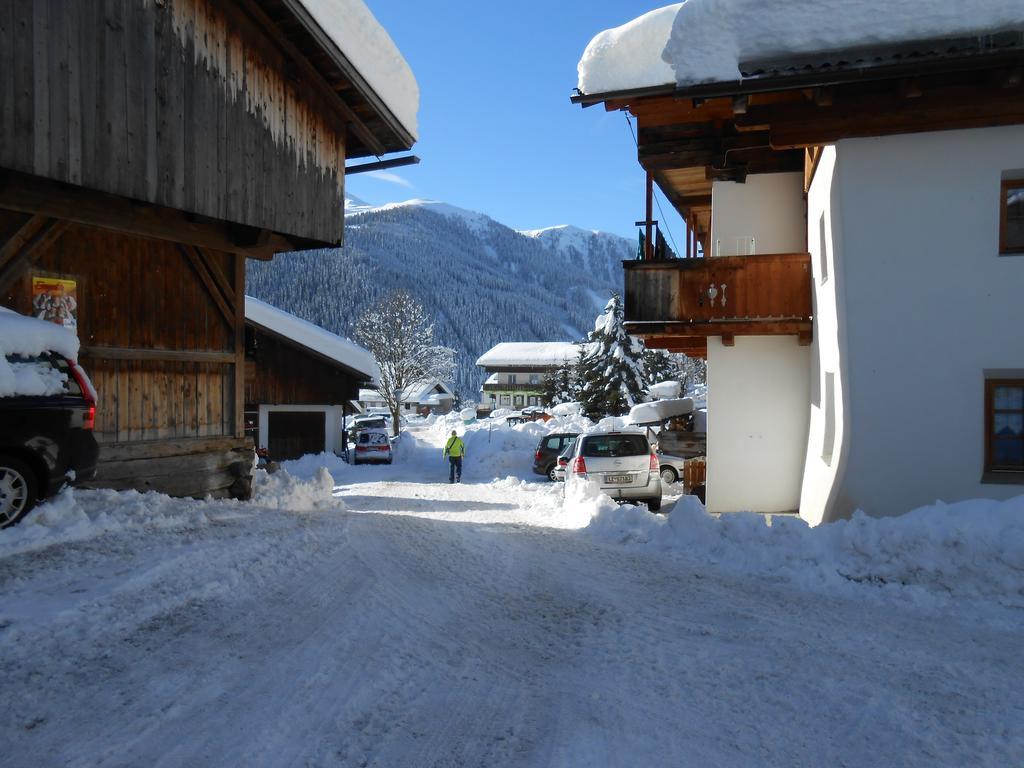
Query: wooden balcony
point(536, 388)
point(677, 304)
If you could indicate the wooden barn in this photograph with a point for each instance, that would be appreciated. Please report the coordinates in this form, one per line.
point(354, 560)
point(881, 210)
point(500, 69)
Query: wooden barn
point(299, 384)
point(147, 149)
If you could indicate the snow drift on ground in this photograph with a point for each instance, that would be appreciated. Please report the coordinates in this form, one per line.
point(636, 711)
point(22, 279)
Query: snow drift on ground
point(706, 40)
point(77, 514)
point(972, 549)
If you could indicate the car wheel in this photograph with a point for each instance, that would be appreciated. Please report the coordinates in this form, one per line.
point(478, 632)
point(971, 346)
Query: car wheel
point(668, 475)
point(390, 460)
point(654, 505)
point(18, 489)
point(551, 474)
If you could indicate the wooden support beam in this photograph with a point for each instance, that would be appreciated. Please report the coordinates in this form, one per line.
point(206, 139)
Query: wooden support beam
point(239, 306)
point(648, 245)
point(51, 199)
point(193, 257)
point(728, 340)
point(226, 289)
point(157, 355)
point(804, 338)
point(23, 253)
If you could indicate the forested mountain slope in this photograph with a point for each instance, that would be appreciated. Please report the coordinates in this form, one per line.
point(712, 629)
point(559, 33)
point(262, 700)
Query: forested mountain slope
point(483, 281)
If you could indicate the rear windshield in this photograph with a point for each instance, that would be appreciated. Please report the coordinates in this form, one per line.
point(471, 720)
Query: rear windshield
point(373, 438)
point(614, 445)
point(41, 375)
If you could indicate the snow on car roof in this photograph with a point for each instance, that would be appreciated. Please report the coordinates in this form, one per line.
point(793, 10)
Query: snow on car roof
point(369, 48)
point(528, 353)
point(311, 336)
point(705, 41)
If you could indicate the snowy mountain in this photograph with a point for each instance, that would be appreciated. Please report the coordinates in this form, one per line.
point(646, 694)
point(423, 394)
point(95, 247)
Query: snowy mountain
point(483, 281)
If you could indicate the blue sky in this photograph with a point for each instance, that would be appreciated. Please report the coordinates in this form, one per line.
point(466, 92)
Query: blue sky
point(497, 131)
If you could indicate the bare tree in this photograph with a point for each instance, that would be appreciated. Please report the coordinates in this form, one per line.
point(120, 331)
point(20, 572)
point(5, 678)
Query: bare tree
point(400, 335)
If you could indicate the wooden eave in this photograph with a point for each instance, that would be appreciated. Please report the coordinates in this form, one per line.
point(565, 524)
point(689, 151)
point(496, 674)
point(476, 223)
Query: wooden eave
point(70, 203)
point(689, 137)
point(373, 129)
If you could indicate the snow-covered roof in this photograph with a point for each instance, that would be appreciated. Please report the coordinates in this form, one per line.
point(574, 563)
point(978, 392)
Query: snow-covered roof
point(416, 393)
point(311, 336)
point(528, 353)
point(703, 41)
point(362, 40)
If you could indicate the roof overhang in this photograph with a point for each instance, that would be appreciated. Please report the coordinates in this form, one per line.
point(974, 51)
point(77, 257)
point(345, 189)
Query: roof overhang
point(374, 129)
point(691, 136)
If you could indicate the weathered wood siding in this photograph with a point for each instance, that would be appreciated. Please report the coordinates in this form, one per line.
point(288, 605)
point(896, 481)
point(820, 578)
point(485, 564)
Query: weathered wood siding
point(277, 373)
point(182, 103)
point(142, 295)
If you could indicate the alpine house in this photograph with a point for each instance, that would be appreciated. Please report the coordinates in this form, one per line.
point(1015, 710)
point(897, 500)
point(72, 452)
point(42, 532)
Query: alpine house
point(852, 178)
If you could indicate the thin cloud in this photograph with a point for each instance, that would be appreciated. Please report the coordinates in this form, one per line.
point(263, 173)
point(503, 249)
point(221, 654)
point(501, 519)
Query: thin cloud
point(392, 178)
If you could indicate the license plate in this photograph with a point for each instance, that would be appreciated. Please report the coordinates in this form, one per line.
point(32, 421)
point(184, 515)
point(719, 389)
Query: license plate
point(618, 479)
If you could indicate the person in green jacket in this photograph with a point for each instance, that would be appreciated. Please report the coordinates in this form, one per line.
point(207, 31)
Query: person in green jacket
point(455, 452)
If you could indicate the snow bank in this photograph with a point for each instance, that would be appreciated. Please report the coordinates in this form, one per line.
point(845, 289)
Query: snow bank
point(77, 515)
point(29, 336)
point(282, 490)
point(703, 41)
point(972, 549)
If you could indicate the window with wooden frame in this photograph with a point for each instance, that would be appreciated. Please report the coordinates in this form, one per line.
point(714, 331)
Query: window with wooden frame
point(1011, 216)
point(1004, 426)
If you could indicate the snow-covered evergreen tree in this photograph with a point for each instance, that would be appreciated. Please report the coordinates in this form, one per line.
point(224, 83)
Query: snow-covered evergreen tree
point(562, 386)
point(612, 371)
point(400, 334)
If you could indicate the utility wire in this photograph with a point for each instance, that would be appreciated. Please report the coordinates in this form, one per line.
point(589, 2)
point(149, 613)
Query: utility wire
point(656, 200)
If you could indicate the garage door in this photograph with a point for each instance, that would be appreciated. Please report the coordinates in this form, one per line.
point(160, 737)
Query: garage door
point(291, 434)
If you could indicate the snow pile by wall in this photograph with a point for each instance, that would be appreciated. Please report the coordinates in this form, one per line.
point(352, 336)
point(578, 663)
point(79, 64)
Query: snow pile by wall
point(971, 549)
point(29, 336)
point(282, 490)
point(76, 515)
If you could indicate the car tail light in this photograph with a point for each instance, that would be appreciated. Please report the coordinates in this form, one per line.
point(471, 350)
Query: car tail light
point(89, 418)
point(579, 466)
point(654, 463)
point(538, 455)
point(562, 461)
point(361, 447)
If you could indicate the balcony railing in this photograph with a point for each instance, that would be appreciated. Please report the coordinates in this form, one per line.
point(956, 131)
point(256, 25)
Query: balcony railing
point(725, 296)
point(514, 387)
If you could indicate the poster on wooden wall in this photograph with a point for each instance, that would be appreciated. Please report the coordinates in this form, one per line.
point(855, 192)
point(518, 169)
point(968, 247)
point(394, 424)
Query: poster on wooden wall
point(56, 300)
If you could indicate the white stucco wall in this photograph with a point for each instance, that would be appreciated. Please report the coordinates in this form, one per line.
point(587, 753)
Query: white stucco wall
point(768, 208)
point(332, 423)
point(758, 392)
point(824, 457)
point(925, 305)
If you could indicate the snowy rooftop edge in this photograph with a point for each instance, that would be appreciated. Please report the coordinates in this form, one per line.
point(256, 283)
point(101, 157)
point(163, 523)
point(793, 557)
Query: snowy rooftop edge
point(311, 336)
point(362, 39)
point(510, 353)
point(704, 41)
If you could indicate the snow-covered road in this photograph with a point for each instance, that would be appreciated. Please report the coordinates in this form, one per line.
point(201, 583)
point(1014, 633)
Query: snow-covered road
point(437, 625)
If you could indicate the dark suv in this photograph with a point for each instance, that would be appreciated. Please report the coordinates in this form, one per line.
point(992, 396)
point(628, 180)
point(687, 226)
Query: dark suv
point(546, 456)
point(46, 440)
